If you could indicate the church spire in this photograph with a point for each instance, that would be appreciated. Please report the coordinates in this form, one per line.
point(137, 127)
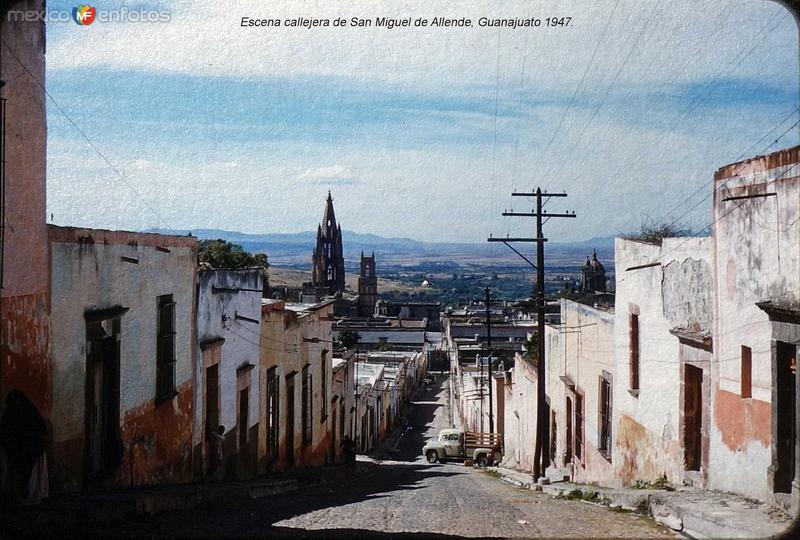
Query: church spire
point(328, 263)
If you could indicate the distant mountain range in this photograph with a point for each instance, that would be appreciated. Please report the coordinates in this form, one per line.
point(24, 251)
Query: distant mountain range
point(294, 249)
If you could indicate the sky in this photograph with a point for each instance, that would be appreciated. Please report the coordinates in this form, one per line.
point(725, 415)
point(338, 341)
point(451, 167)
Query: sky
point(418, 132)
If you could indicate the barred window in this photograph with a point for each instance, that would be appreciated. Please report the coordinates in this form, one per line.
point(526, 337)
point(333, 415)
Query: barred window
point(165, 349)
point(578, 426)
point(604, 444)
point(634, 351)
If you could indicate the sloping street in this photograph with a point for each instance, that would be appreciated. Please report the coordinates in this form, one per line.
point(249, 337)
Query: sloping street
point(403, 497)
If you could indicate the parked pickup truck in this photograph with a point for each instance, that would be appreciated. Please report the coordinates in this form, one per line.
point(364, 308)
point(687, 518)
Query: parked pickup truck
point(483, 448)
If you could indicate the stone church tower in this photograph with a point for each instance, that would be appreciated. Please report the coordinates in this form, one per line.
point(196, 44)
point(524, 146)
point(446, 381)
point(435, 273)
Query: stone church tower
point(327, 271)
point(367, 286)
point(593, 275)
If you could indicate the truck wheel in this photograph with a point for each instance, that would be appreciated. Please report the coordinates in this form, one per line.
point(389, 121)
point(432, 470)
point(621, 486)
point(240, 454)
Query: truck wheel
point(432, 456)
point(482, 460)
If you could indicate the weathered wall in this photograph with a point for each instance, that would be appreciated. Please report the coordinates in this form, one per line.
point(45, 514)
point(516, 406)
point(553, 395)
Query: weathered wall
point(25, 293)
point(88, 273)
point(757, 259)
point(288, 335)
point(229, 308)
point(667, 296)
point(343, 387)
point(580, 350)
point(519, 422)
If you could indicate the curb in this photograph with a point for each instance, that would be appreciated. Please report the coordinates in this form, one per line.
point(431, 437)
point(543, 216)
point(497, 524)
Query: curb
point(121, 506)
point(664, 508)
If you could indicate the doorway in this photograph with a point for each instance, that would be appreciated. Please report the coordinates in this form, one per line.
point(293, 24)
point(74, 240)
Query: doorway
point(568, 432)
point(290, 419)
point(785, 436)
point(103, 447)
point(693, 417)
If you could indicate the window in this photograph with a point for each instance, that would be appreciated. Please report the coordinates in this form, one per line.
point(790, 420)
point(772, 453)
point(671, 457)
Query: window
point(323, 374)
point(747, 372)
point(272, 414)
point(604, 444)
point(634, 352)
point(578, 426)
point(307, 395)
point(244, 406)
point(165, 349)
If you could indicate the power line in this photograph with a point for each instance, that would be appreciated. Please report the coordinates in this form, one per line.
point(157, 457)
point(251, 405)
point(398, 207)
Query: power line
point(580, 84)
point(611, 86)
point(741, 156)
point(87, 139)
point(704, 199)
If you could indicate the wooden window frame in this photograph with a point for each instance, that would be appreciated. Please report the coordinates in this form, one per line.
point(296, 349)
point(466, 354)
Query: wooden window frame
point(166, 388)
point(605, 415)
point(747, 372)
point(635, 353)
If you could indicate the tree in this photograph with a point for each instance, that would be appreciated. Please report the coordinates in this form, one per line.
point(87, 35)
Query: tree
point(228, 256)
point(349, 338)
point(532, 347)
point(652, 232)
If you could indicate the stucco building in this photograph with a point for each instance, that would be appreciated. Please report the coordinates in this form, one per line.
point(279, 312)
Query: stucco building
point(25, 365)
point(122, 344)
point(296, 373)
point(756, 212)
point(228, 396)
point(663, 347)
point(580, 381)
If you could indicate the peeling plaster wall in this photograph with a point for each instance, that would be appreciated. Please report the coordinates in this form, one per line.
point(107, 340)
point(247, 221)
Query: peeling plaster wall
point(25, 297)
point(343, 386)
point(519, 423)
point(757, 258)
point(646, 427)
point(238, 292)
point(282, 345)
point(581, 348)
point(88, 273)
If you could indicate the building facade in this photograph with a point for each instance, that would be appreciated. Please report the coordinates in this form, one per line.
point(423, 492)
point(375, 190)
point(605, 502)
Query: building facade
point(756, 213)
point(26, 371)
point(228, 390)
point(123, 351)
point(663, 319)
point(296, 373)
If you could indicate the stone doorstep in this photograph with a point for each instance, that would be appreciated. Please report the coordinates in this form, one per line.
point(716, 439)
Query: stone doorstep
point(715, 515)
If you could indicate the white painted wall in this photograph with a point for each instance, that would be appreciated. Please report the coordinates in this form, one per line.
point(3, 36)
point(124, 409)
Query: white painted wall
point(239, 292)
point(646, 427)
point(757, 258)
point(90, 275)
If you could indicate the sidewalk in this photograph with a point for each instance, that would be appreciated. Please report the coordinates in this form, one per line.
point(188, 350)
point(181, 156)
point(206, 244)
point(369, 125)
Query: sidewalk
point(692, 512)
point(67, 512)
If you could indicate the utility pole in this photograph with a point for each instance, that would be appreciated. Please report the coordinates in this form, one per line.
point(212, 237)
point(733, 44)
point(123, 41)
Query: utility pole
point(489, 347)
point(541, 458)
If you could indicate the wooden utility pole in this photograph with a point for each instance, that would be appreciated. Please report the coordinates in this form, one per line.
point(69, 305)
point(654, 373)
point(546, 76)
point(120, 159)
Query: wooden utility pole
point(541, 458)
point(489, 347)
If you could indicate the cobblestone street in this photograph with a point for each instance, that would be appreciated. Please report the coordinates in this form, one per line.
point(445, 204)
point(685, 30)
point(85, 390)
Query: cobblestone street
point(402, 497)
